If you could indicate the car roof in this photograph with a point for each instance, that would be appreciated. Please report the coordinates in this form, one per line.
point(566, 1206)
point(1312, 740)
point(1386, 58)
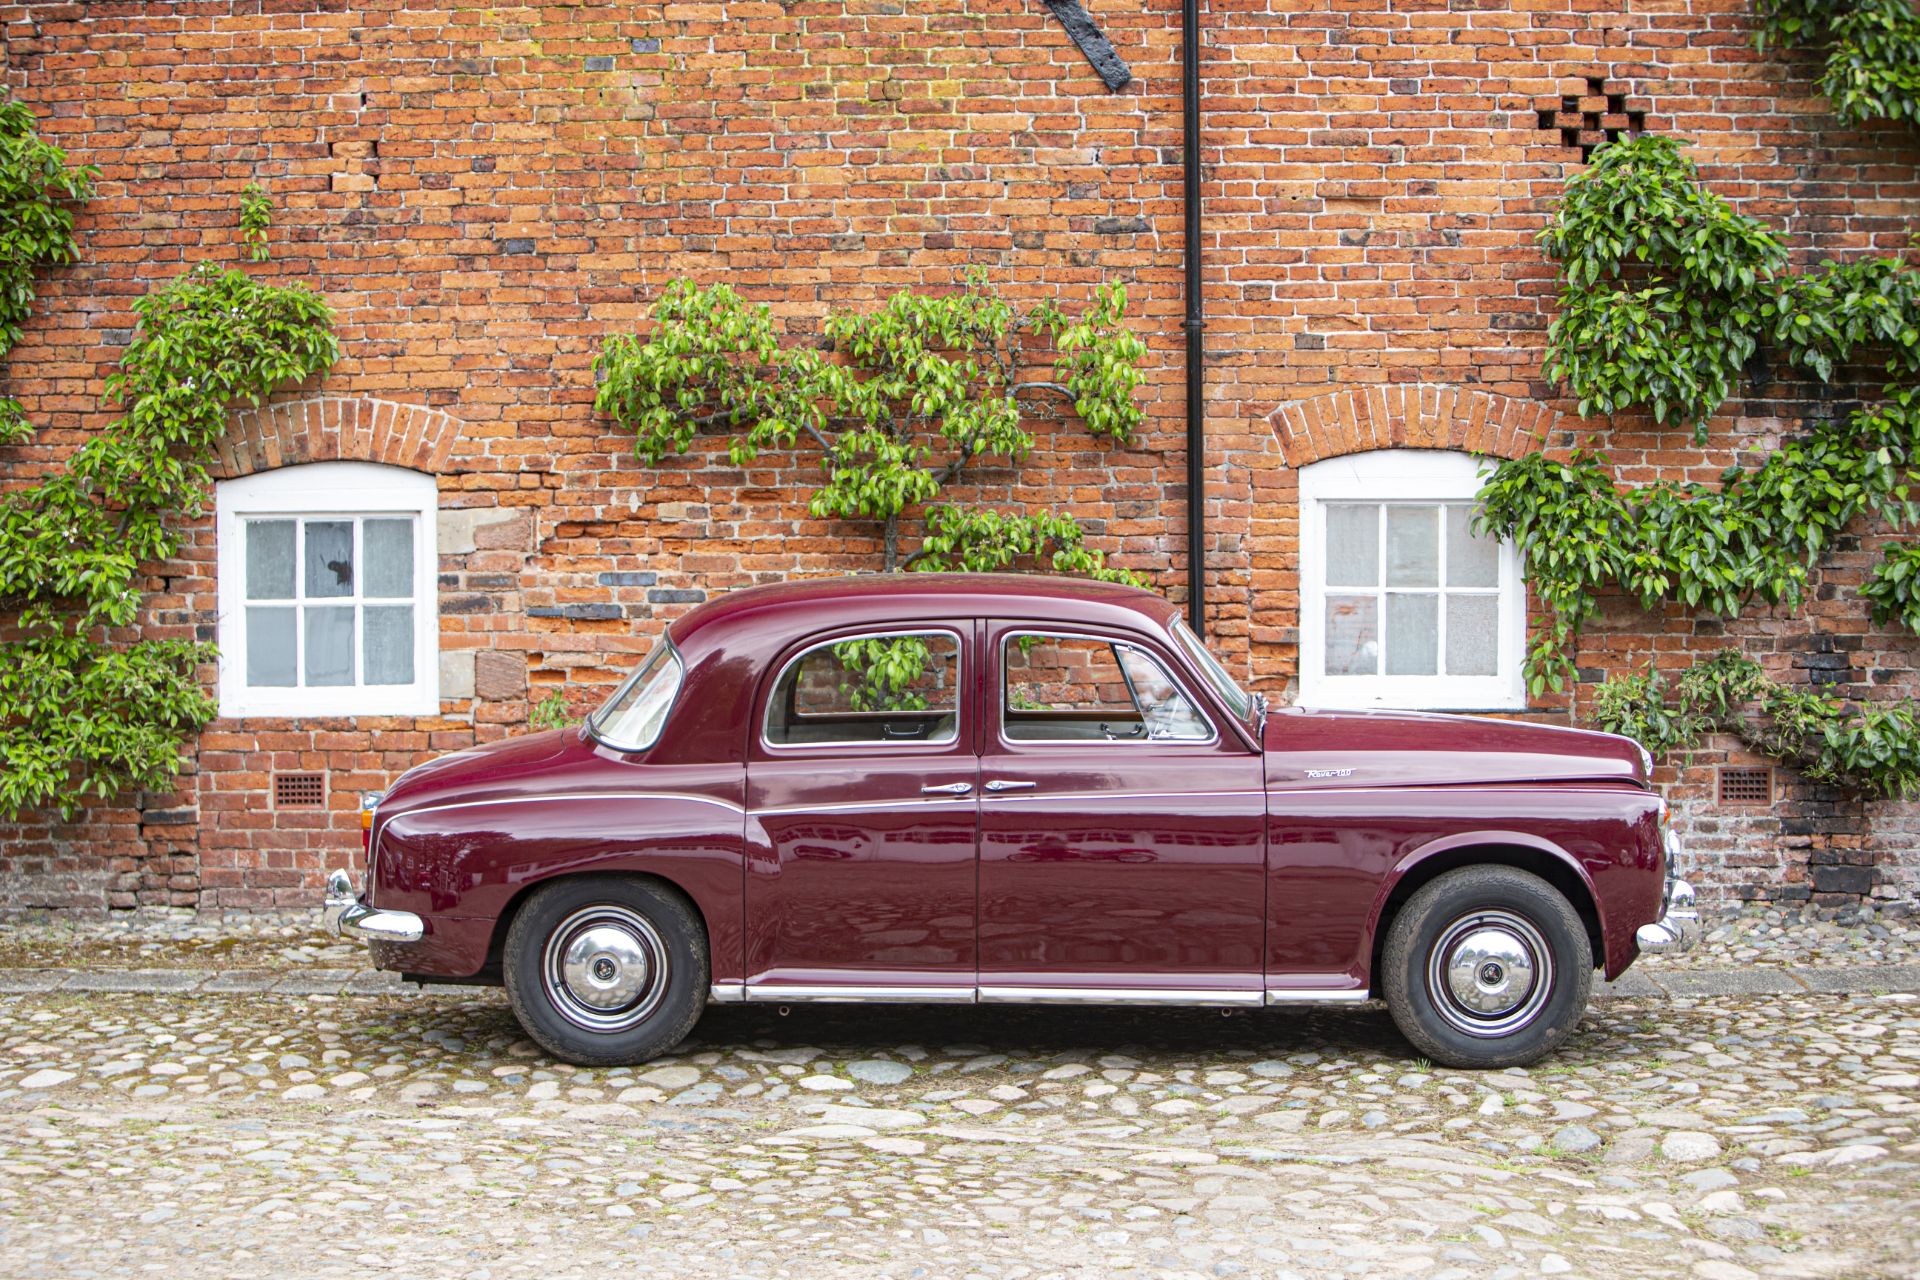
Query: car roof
point(808, 605)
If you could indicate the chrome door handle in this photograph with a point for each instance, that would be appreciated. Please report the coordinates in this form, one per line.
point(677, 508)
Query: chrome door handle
point(1001, 784)
point(947, 789)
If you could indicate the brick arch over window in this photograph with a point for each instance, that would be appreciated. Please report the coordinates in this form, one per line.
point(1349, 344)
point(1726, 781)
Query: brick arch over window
point(1411, 416)
point(337, 429)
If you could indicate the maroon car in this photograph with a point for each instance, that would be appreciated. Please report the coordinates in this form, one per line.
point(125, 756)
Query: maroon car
point(999, 789)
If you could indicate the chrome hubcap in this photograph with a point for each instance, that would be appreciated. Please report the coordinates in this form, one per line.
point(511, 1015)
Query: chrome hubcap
point(1490, 973)
point(605, 968)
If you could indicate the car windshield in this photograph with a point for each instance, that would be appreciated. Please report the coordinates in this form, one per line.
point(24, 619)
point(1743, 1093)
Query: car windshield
point(631, 719)
point(1236, 698)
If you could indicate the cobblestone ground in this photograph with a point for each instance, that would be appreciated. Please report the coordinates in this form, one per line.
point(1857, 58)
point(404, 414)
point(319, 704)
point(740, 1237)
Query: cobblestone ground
point(187, 1133)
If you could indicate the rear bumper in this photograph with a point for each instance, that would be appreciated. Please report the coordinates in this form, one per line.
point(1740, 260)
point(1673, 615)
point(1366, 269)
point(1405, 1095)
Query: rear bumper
point(1678, 927)
point(349, 917)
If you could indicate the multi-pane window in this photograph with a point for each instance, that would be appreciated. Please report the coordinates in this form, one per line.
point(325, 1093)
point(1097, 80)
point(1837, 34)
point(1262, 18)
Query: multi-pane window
point(327, 601)
point(330, 601)
point(1403, 603)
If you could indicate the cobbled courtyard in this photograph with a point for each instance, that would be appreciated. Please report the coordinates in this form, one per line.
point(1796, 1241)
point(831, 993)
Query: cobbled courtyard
point(213, 1121)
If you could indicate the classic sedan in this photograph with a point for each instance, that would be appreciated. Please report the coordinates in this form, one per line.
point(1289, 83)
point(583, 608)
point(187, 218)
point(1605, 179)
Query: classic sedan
point(982, 789)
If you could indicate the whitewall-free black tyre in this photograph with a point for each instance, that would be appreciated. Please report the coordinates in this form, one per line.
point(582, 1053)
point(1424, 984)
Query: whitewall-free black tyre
point(606, 970)
point(1487, 967)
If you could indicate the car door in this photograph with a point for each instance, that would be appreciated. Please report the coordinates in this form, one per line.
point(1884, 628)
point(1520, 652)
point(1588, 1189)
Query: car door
point(863, 818)
point(1121, 828)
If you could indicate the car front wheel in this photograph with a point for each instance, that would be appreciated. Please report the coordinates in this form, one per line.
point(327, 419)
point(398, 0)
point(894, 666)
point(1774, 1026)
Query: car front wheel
point(606, 970)
point(1487, 967)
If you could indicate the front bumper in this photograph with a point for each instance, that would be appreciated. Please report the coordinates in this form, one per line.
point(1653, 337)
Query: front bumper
point(351, 918)
point(1678, 927)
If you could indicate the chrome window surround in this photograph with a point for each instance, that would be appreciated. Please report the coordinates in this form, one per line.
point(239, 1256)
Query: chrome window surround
point(959, 698)
point(679, 682)
point(1198, 705)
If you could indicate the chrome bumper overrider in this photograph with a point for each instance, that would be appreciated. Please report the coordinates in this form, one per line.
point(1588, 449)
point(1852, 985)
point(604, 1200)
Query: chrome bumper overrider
point(351, 918)
point(1678, 927)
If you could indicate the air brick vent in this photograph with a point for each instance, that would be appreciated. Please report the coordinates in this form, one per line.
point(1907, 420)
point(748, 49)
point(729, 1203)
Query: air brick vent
point(1745, 784)
point(1585, 120)
point(299, 790)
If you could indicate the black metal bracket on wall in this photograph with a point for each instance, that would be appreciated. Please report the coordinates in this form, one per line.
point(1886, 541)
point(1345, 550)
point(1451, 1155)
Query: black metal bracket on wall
point(1092, 41)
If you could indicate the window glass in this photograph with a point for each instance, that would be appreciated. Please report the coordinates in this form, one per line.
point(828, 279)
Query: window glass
point(1395, 629)
point(329, 558)
point(1080, 689)
point(329, 639)
point(1230, 692)
point(896, 688)
point(388, 552)
point(632, 718)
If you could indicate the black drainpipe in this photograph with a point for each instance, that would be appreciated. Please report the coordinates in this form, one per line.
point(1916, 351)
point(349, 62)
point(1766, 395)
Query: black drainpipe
point(1195, 322)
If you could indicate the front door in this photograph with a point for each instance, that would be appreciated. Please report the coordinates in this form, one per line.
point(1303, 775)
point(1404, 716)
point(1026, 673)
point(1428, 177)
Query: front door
point(1121, 829)
point(863, 818)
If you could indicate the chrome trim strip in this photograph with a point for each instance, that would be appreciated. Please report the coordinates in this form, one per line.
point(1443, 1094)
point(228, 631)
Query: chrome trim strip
point(1208, 997)
point(573, 795)
point(1317, 995)
point(1118, 995)
point(772, 993)
point(1122, 795)
point(904, 802)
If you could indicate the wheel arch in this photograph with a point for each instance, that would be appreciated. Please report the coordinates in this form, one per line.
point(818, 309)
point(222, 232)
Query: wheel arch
point(1508, 849)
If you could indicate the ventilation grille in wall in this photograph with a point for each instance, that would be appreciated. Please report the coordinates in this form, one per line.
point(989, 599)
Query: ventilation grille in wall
point(299, 790)
point(1745, 784)
point(1588, 119)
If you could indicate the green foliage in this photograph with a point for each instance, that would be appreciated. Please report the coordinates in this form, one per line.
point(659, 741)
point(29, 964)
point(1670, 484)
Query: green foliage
point(84, 713)
point(36, 226)
point(550, 713)
point(1872, 750)
point(256, 216)
point(1660, 285)
point(1872, 50)
point(1716, 549)
point(898, 401)
point(885, 670)
point(1665, 294)
point(1893, 589)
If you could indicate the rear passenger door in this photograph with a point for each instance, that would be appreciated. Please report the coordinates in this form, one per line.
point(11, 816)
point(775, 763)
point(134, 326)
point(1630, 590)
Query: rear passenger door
point(863, 818)
point(1122, 831)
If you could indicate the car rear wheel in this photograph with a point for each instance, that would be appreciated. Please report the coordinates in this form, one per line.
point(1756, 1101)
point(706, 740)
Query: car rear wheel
point(1487, 967)
point(606, 970)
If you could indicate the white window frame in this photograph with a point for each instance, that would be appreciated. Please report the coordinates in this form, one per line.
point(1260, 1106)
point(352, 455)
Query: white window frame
point(1414, 477)
point(324, 490)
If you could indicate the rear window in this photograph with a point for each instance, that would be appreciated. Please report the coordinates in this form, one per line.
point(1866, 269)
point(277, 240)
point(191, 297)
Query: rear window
point(895, 688)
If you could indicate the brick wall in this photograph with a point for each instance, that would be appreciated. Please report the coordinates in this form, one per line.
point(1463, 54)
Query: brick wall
point(485, 191)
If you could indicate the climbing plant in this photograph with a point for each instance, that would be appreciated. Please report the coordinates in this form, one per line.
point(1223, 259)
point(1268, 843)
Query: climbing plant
point(37, 186)
point(898, 403)
point(1872, 52)
point(1873, 749)
point(89, 708)
point(256, 218)
point(1665, 294)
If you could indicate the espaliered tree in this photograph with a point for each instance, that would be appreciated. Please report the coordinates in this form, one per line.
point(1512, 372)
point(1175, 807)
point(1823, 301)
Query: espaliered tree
point(89, 707)
point(898, 404)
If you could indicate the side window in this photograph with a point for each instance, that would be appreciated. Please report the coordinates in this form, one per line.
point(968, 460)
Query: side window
point(1078, 689)
point(901, 688)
